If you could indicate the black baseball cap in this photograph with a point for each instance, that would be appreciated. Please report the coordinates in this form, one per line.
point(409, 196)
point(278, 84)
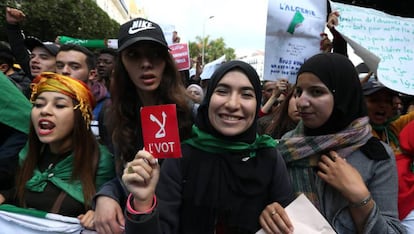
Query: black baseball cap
point(373, 86)
point(32, 42)
point(140, 29)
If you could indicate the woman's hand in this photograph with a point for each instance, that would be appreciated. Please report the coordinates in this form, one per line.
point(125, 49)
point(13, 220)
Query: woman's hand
point(141, 178)
point(333, 19)
point(274, 219)
point(87, 220)
point(108, 218)
point(341, 175)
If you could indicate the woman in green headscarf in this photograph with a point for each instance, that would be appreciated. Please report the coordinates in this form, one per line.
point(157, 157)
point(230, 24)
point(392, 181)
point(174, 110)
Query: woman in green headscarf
point(63, 165)
point(228, 173)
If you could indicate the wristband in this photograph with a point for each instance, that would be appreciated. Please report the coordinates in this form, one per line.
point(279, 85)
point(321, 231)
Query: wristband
point(361, 203)
point(133, 211)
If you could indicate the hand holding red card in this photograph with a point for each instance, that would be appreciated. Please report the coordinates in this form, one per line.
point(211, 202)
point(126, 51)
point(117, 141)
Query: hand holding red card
point(160, 131)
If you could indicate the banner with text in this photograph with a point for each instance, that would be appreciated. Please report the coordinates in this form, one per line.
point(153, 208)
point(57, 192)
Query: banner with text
point(384, 42)
point(292, 35)
point(181, 55)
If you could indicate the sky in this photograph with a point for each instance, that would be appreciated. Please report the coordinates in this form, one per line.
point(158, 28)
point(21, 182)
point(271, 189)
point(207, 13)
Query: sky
point(241, 23)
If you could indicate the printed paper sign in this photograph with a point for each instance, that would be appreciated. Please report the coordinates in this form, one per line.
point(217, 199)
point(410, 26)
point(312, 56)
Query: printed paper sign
point(181, 55)
point(292, 36)
point(160, 131)
point(384, 42)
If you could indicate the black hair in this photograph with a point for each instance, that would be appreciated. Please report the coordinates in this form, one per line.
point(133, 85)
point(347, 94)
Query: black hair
point(90, 57)
point(110, 51)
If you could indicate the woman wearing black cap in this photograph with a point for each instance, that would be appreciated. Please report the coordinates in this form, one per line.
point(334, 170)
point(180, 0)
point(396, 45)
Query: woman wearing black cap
point(145, 74)
point(228, 173)
point(332, 156)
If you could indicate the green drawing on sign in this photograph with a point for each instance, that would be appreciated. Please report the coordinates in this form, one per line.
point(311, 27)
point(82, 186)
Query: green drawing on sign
point(297, 19)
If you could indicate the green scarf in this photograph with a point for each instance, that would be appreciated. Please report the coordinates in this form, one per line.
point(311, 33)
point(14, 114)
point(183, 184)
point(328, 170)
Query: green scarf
point(61, 174)
point(206, 142)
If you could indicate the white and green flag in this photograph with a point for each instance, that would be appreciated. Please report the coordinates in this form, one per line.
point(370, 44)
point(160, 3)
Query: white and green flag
point(20, 220)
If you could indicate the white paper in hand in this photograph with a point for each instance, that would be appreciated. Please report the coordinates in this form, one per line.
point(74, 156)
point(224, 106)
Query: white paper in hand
point(306, 218)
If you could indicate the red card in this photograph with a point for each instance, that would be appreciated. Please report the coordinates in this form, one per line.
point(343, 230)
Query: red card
point(160, 131)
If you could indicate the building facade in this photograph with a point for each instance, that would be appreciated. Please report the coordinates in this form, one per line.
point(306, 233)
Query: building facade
point(120, 10)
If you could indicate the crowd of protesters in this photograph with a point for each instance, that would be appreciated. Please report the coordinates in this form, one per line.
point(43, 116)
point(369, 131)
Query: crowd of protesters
point(72, 141)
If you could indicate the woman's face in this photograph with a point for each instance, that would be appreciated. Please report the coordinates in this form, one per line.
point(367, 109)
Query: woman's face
point(293, 110)
point(195, 94)
point(53, 120)
point(145, 64)
point(314, 100)
point(232, 107)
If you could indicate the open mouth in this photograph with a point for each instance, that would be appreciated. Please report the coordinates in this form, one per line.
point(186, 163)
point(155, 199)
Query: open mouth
point(46, 127)
point(35, 68)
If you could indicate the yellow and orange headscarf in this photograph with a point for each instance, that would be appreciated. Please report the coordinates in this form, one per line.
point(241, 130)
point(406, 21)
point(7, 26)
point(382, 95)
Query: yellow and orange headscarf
point(76, 89)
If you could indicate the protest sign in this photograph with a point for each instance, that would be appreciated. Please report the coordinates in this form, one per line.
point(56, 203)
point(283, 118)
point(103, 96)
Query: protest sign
point(181, 55)
point(384, 42)
point(292, 35)
point(211, 67)
point(160, 131)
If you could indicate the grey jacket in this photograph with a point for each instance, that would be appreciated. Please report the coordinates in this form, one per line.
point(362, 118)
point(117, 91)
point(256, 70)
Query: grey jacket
point(382, 181)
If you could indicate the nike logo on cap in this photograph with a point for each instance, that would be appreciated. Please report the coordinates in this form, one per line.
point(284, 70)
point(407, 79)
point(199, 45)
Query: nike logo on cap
point(140, 25)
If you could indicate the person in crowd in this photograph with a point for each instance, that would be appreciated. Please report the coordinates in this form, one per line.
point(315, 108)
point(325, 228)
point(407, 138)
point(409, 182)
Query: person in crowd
point(284, 119)
point(197, 70)
point(332, 156)
point(77, 62)
point(279, 91)
point(196, 93)
point(7, 66)
point(175, 37)
point(63, 165)
point(385, 125)
point(405, 165)
point(145, 74)
point(397, 105)
point(105, 64)
point(14, 127)
point(267, 90)
point(231, 173)
point(42, 56)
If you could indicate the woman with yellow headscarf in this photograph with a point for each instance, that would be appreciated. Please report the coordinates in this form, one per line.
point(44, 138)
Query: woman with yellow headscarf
point(62, 166)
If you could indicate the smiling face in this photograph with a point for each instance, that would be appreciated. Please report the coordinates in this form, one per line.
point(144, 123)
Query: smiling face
point(232, 107)
point(379, 105)
point(53, 120)
point(145, 63)
point(41, 61)
point(314, 100)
